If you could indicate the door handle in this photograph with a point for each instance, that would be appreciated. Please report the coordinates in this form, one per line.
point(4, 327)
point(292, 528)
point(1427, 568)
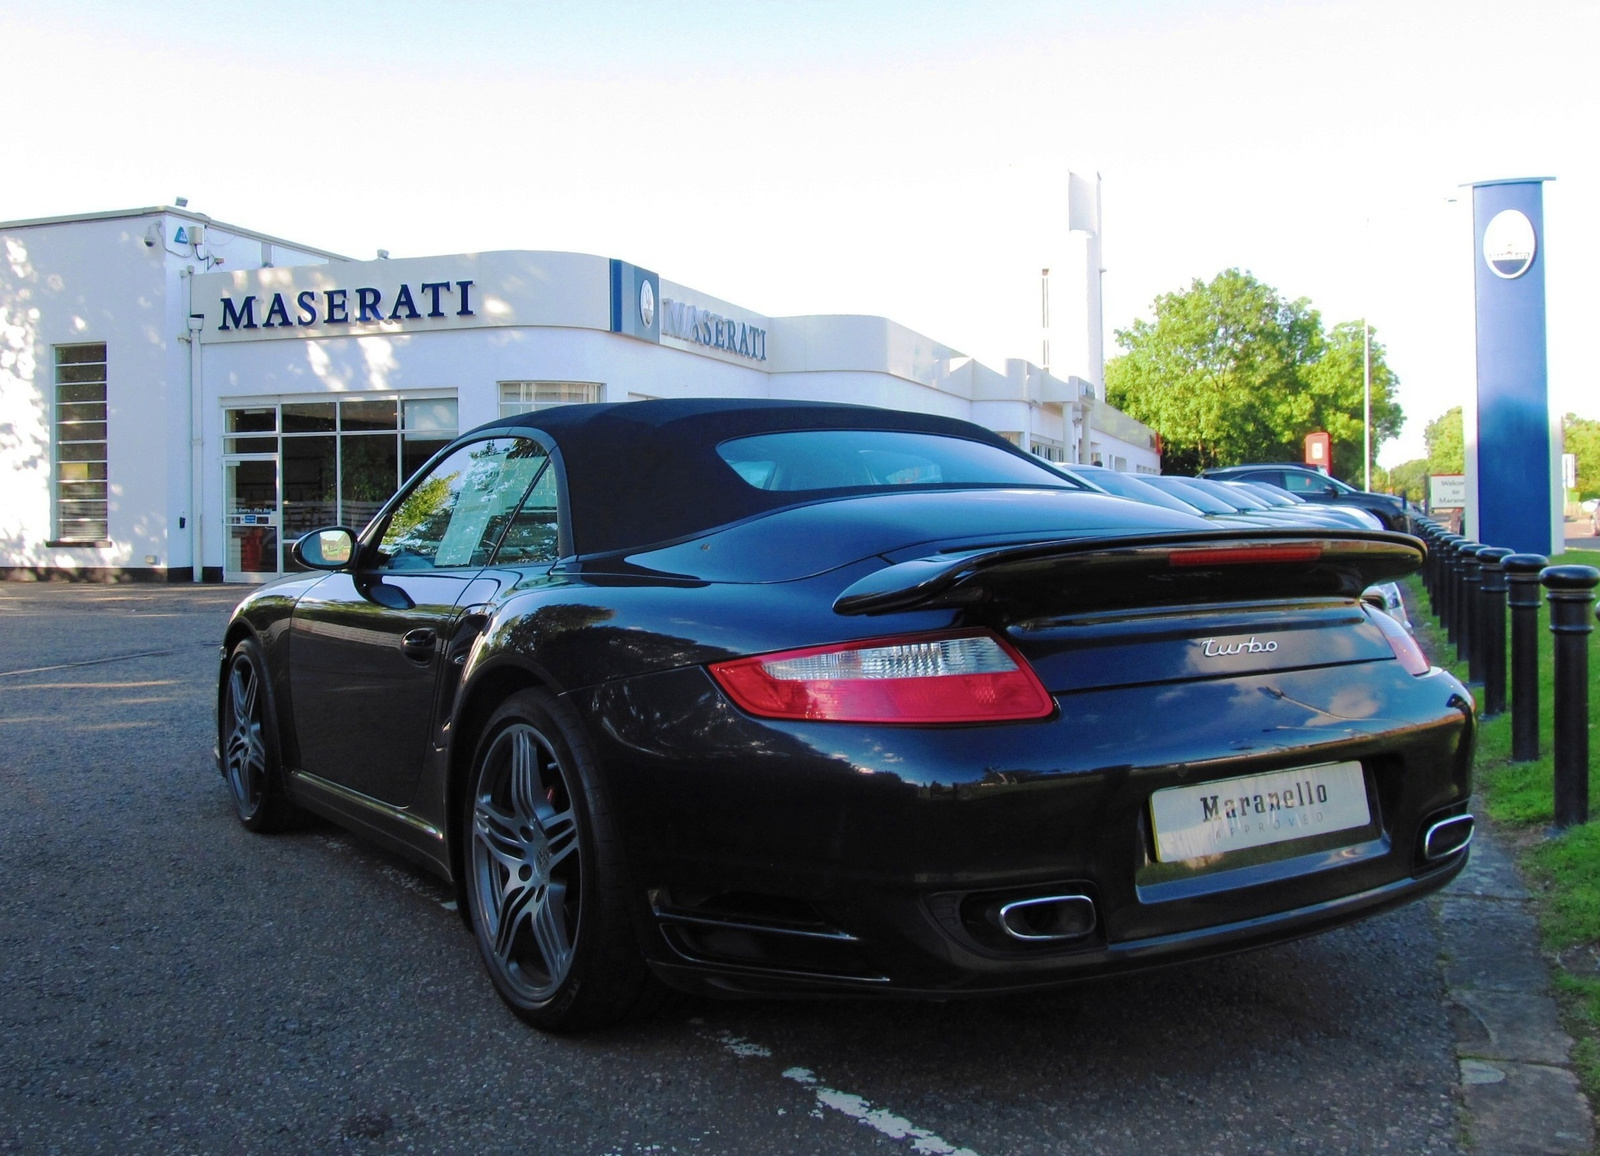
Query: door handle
point(419, 644)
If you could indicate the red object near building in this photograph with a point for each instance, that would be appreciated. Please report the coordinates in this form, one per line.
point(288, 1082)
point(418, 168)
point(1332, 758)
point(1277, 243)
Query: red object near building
point(1319, 451)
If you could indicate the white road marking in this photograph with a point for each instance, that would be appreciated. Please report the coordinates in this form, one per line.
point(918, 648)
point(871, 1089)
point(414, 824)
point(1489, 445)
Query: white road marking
point(885, 1121)
point(744, 1048)
point(923, 1142)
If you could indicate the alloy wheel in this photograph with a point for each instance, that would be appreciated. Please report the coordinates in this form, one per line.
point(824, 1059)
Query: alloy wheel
point(246, 750)
point(525, 861)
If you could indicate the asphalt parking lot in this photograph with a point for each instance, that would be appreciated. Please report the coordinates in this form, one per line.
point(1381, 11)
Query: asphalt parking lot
point(171, 983)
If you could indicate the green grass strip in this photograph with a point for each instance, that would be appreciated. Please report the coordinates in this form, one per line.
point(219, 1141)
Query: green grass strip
point(1562, 870)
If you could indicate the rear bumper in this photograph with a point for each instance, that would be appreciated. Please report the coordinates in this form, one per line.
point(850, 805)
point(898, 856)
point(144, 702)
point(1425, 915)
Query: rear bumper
point(812, 857)
point(1136, 955)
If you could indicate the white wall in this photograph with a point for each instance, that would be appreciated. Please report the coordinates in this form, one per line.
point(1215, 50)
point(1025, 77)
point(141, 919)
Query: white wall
point(537, 316)
point(88, 281)
point(116, 278)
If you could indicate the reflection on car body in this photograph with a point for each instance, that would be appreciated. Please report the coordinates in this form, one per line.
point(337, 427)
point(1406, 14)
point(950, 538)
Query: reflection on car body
point(831, 699)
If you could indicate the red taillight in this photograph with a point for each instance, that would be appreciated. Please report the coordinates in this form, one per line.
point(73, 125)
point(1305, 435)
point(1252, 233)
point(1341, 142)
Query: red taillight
point(1404, 646)
point(1246, 555)
point(947, 678)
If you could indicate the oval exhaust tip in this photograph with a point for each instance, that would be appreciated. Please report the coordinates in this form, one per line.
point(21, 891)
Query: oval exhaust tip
point(1047, 918)
point(1447, 836)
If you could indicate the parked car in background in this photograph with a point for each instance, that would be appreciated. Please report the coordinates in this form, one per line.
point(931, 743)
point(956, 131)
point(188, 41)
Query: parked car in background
point(1308, 483)
point(1240, 504)
point(1283, 500)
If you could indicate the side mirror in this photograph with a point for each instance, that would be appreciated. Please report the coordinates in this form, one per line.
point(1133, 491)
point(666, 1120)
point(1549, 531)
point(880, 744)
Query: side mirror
point(330, 549)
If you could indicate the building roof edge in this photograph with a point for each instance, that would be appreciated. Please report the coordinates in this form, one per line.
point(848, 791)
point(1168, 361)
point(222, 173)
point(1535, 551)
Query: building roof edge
point(174, 211)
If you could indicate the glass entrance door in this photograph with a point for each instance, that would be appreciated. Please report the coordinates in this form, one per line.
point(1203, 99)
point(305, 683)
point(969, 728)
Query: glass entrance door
point(250, 518)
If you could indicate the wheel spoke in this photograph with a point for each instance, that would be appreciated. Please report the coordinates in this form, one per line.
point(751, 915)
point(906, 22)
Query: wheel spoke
point(550, 930)
point(241, 694)
point(241, 757)
point(561, 834)
point(498, 835)
point(527, 790)
point(252, 688)
point(515, 900)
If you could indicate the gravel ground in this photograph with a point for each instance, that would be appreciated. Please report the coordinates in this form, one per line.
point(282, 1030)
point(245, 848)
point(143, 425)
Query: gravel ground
point(171, 983)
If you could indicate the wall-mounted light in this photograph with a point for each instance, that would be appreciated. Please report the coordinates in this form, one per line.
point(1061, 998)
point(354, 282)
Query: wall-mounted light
point(383, 254)
point(181, 202)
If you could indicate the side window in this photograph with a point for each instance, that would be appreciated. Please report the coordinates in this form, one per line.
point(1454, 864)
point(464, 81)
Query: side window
point(534, 533)
point(1297, 483)
point(456, 514)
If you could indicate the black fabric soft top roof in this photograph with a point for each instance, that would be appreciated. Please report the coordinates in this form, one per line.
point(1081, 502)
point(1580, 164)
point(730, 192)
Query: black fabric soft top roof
point(643, 472)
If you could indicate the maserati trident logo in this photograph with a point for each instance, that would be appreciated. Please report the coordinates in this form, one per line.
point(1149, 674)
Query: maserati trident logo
point(1509, 244)
point(647, 305)
point(1210, 648)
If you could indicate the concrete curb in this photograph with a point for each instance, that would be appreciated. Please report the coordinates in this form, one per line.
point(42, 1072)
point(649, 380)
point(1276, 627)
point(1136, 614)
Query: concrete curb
point(1521, 1093)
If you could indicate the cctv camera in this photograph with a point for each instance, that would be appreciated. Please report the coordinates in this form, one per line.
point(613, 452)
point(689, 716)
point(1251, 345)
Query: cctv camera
point(152, 236)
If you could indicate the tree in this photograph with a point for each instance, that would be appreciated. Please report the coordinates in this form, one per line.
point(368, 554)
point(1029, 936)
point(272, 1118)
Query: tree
point(1582, 436)
point(1334, 398)
point(1408, 479)
point(1447, 446)
point(1229, 371)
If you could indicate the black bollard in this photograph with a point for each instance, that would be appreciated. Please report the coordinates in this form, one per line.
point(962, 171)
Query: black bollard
point(1447, 584)
point(1570, 590)
point(1436, 593)
point(1478, 653)
point(1468, 608)
point(1522, 576)
point(1453, 582)
point(1491, 634)
point(1430, 561)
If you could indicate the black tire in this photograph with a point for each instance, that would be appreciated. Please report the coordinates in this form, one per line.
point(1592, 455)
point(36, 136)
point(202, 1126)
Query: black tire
point(545, 883)
point(247, 736)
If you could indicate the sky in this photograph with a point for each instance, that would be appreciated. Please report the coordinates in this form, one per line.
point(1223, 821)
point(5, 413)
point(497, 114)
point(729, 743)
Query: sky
point(900, 159)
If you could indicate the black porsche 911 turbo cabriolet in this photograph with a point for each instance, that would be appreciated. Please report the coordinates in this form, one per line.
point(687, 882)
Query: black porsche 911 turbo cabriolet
point(751, 697)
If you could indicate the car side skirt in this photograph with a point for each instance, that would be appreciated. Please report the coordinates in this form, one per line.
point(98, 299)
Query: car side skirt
point(395, 829)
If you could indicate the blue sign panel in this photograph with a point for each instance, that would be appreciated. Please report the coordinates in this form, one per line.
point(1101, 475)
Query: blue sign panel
point(1513, 450)
point(635, 301)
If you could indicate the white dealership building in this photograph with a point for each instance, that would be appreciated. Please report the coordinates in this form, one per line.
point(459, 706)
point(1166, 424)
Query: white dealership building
point(173, 388)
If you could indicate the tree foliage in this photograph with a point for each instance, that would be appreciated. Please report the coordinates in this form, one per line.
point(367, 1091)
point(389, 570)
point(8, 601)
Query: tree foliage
point(1230, 371)
point(1408, 479)
point(1582, 437)
point(1447, 445)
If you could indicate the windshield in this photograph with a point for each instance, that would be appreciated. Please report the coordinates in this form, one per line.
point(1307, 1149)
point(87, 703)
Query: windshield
point(1240, 501)
point(1124, 486)
point(1273, 494)
point(1265, 496)
point(1184, 489)
point(801, 460)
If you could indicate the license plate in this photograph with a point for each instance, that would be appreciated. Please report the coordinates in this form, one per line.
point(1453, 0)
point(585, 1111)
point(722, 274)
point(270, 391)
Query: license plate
point(1231, 814)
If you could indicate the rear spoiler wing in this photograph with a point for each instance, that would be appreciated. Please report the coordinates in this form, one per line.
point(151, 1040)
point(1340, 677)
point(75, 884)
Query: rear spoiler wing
point(1345, 562)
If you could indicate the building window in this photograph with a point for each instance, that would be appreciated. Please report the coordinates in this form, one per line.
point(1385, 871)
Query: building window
point(300, 465)
point(1049, 451)
point(528, 396)
point(80, 429)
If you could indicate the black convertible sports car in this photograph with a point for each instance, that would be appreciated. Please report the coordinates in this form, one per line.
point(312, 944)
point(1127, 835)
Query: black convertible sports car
point(748, 697)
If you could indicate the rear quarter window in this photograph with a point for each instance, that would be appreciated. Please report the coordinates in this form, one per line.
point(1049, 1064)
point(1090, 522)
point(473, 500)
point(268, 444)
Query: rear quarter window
point(801, 460)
